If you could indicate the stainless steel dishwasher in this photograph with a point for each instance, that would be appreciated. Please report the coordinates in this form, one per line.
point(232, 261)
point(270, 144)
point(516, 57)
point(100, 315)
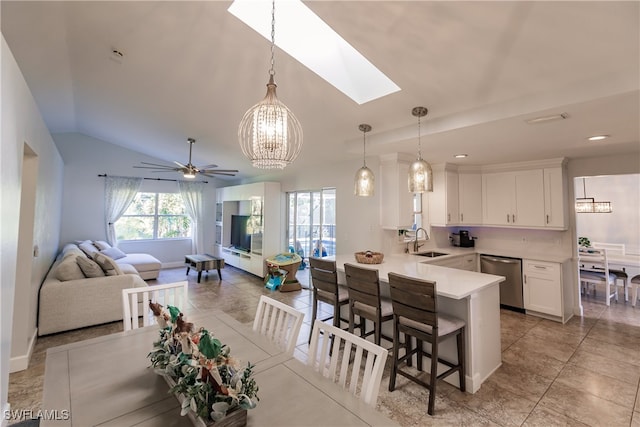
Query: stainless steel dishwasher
point(511, 268)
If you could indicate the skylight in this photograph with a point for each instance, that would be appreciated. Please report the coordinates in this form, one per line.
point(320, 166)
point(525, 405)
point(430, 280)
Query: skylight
point(308, 39)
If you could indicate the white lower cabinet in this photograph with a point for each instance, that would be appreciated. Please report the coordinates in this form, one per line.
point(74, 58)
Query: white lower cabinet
point(545, 292)
point(461, 262)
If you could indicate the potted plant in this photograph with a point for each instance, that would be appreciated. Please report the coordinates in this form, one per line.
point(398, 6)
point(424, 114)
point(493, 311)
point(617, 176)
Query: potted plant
point(584, 242)
point(212, 386)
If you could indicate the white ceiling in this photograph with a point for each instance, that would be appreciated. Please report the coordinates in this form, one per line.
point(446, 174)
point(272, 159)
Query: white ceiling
point(191, 69)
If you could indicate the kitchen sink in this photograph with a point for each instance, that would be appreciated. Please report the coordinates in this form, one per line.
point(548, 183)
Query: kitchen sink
point(431, 254)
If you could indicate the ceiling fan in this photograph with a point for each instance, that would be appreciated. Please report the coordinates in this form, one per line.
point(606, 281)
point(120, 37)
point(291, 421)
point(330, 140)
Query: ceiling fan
point(188, 171)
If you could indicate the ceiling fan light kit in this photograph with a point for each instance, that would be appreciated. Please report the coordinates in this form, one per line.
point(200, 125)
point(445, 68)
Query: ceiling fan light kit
point(420, 173)
point(365, 180)
point(269, 134)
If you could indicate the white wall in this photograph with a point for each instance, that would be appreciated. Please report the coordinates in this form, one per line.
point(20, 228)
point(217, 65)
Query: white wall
point(623, 224)
point(22, 124)
point(83, 199)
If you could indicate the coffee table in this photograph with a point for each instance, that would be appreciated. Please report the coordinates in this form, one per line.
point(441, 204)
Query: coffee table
point(204, 262)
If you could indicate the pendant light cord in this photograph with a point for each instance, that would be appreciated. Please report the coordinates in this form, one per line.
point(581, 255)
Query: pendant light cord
point(364, 148)
point(419, 143)
point(272, 71)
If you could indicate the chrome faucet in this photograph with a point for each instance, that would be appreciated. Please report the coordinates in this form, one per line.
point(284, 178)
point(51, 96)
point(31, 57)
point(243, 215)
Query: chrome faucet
point(416, 246)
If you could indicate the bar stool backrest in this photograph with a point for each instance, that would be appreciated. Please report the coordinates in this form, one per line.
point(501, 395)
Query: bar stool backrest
point(414, 299)
point(363, 284)
point(324, 276)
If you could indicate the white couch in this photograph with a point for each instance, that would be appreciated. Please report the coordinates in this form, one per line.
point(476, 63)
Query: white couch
point(70, 300)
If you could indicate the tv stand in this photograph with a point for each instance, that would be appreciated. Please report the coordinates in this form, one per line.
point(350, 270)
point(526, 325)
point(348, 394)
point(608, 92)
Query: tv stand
point(262, 201)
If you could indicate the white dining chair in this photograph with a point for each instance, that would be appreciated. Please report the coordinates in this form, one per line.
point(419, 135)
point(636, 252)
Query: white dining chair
point(617, 249)
point(135, 302)
point(279, 322)
point(594, 270)
point(349, 360)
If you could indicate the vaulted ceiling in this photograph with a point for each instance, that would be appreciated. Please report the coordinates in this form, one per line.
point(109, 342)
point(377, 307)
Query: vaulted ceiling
point(191, 69)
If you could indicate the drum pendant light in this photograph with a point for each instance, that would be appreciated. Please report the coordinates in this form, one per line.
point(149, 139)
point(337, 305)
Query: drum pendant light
point(420, 173)
point(269, 134)
point(364, 177)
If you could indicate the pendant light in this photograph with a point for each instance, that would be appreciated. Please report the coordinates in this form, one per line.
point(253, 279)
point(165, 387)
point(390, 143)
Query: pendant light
point(269, 134)
point(420, 173)
point(364, 177)
point(589, 205)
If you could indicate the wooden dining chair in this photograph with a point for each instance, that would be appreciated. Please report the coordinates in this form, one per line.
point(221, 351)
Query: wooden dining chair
point(135, 302)
point(279, 322)
point(415, 315)
point(594, 270)
point(347, 359)
point(324, 279)
point(365, 301)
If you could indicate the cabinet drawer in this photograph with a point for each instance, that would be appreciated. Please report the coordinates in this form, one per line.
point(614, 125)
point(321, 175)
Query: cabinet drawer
point(542, 268)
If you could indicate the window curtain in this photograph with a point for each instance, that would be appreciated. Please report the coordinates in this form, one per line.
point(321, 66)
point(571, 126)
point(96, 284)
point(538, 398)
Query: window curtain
point(191, 193)
point(119, 192)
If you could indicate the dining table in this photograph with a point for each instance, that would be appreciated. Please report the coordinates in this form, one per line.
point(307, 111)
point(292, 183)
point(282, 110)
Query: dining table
point(108, 381)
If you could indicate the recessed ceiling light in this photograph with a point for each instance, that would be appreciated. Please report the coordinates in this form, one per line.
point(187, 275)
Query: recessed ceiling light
point(308, 39)
point(460, 156)
point(598, 137)
point(550, 118)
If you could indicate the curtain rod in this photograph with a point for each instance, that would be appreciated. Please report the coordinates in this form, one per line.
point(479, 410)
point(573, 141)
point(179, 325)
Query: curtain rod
point(104, 175)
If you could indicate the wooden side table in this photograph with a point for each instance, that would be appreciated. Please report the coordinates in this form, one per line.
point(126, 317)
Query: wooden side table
point(204, 262)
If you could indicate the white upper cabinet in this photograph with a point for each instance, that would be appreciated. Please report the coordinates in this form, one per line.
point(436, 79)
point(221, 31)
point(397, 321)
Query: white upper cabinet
point(396, 203)
point(555, 194)
point(513, 198)
point(470, 198)
point(443, 201)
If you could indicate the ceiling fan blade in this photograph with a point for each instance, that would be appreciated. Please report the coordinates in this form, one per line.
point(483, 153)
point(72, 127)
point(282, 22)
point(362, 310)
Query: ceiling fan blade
point(168, 169)
point(213, 176)
point(181, 165)
point(160, 171)
point(156, 164)
point(208, 167)
point(219, 170)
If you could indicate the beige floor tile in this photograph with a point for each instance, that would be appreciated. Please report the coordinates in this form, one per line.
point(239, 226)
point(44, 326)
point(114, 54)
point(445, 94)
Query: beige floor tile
point(546, 343)
point(528, 357)
point(622, 371)
point(635, 421)
point(542, 417)
point(610, 351)
point(606, 387)
point(520, 381)
point(584, 407)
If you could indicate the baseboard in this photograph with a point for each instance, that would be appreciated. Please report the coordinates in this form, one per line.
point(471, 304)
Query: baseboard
point(173, 264)
point(6, 410)
point(20, 363)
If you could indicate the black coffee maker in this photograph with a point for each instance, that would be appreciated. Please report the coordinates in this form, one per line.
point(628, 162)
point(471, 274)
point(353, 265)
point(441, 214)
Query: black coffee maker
point(462, 239)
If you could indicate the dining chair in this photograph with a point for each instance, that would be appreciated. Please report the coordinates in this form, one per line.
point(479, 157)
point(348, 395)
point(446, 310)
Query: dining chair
point(635, 283)
point(415, 315)
point(135, 302)
point(324, 280)
point(594, 270)
point(279, 322)
point(351, 361)
point(365, 301)
point(621, 274)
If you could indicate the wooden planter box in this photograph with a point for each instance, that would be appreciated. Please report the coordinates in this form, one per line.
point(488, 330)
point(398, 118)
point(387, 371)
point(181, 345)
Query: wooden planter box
point(235, 418)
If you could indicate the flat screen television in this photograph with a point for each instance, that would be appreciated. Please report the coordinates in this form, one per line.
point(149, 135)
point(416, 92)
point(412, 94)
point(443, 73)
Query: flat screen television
point(240, 237)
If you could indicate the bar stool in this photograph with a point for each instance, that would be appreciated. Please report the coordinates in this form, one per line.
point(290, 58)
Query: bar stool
point(324, 278)
point(365, 301)
point(635, 283)
point(415, 314)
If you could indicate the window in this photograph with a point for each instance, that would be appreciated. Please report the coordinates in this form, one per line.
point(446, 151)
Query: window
point(154, 216)
point(311, 227)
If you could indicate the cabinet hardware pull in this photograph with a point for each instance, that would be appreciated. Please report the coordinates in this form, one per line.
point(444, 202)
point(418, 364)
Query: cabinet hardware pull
point(525, 278)
point(507, 218)
point(513, 218)
point(547, 218)
point(461, 217)
point(540, 266)
point(448, 217)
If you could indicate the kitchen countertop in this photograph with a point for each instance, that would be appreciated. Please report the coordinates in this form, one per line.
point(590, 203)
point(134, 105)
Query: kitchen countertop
point(450, 282)
point(524, 254)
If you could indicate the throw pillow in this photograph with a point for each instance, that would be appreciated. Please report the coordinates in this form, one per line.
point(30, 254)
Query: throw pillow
point(88, 248)
point(114, 253)
point(101, 244)
point(89, 268)
point(108, 265)
point(72, 252)
point(69, 270)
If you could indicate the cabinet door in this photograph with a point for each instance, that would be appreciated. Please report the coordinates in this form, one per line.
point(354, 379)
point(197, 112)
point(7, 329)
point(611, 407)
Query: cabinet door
point(451, 180)
point(498, 191)
point(542, 287)
point(529, 198)
point(443, 201)
point(470, 198)
point(469, 263)
point(555, 212)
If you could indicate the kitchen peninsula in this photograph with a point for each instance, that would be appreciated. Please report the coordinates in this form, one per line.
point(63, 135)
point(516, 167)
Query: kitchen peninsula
point(473, 297)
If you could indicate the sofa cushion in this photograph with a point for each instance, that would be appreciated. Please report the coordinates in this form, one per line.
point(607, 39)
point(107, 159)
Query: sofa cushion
point(108, 265)
point(114, 253)
point(88, 248)
point(101, 244)
point(127, 269)
point(89, 267)
point(68, 269)
point(142, 262)
point(73, 251)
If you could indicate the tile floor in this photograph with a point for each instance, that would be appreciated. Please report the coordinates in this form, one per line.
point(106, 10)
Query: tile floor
point(583, 373)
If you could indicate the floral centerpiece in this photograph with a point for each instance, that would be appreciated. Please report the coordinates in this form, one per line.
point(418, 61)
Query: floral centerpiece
point(201, 370)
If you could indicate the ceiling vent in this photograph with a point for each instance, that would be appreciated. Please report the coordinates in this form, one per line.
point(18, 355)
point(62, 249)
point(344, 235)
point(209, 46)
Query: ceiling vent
point(545, 119)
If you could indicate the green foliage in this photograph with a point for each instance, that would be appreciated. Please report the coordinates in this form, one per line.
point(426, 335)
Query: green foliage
point(154, 216)
point(584, 242)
